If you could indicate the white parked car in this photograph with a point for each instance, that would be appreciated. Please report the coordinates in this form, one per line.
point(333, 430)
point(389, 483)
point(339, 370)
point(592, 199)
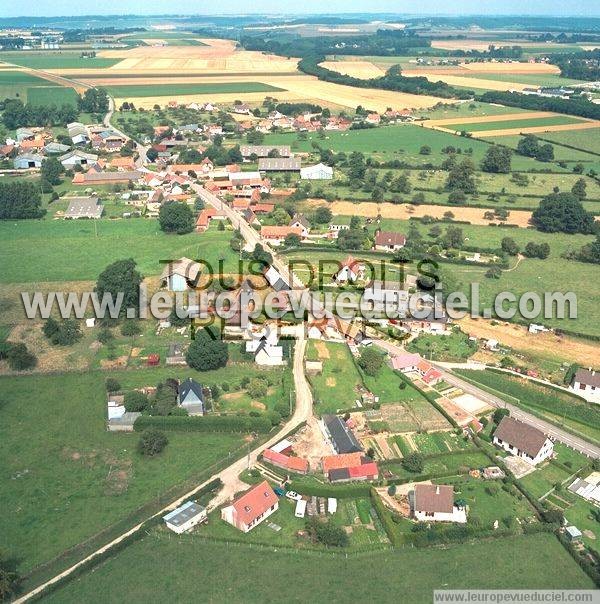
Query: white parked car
point(293, 495)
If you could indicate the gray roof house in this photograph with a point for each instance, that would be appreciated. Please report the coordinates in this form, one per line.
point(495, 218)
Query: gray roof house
point(84, 207)
point(76, 157)
point(55, 147)
point(342, 438)
point(191, 397)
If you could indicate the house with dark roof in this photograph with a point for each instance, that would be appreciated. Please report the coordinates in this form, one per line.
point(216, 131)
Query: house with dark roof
point(251, 508)
point(435, 503)
point(586, 383)
point(522, 440)
point(191, 397)
point(341, 437)
point(300, 221)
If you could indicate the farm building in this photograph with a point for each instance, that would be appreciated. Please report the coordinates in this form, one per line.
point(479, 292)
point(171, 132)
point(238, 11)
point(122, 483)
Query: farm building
point(317, 172)
point(435, 503)
point(28, 160)
point(276, 235)
point(78, 133)
point(76, 157)
point(265, 150)
point(349, 466)
point(523, 440)
point(251, 508)
point(286, 462)
point(586, 383)
point(180, 275)
point(84, 207)
point(279, 164)
point(341, 437)
point(54, 147)
point(191, 397)
point(105, 178)
point(185, 517)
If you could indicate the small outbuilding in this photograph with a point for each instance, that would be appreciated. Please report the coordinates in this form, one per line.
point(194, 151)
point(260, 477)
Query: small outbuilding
point(185, 517)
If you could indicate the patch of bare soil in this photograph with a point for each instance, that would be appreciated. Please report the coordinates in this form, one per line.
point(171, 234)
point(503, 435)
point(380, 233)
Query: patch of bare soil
point(322, 349)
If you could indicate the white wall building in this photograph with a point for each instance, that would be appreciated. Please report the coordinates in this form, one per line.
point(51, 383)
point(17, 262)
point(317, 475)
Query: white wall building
point(523, 440)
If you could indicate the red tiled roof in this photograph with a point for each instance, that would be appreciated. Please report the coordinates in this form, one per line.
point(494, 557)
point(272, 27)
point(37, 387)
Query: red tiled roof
point(205, 216)
point(337, 462)
point(263, 208)
point(279, 232)
point(254, 503)
point(389, 238)
point(367, 469)
point(431, 375)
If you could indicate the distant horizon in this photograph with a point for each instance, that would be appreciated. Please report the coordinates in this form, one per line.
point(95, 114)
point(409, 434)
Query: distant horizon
point(267, 8)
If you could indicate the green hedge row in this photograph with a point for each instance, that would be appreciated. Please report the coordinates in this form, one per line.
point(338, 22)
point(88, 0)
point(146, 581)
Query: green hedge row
point(384, 517)
point(346, 491)
point(216, 423)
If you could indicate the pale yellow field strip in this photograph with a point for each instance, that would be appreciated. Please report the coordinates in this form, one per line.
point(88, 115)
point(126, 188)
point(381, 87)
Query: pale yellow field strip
point(479, 83)
point(280, 81)
point(540, 129)
point(476, 119)
point(510, 67)
point(369, 209)
point(355, 69)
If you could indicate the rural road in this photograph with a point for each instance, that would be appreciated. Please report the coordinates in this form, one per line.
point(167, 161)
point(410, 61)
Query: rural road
point(229, 476)
point(579, 444)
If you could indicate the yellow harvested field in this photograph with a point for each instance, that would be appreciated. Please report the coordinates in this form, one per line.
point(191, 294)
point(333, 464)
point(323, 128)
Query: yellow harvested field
point(463, 44)
point(405, 211)
point(454, 80)
point(540, 129)
point(510, 68)
point(217, 56)
point(145, 79)
point(355, 69)
point(508, 117)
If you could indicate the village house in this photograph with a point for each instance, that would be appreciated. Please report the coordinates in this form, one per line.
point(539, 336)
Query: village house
point(350, 271)
point(83, 207)
point(181, 275)
point(586, 383)
point(435, 503)
point(124, 164)
point(386, 241)
point(185, 517)
point(286, 462)
point(406, 363)
point(523, 440)
point(275, 235)
point(191, 397)
point(346, 467)
point(299, 221)
point(340, 436)
point(251, 508)
point(264, 345)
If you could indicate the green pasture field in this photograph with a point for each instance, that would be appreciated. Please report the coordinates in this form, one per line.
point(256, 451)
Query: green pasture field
point(52, 95)
point(56, 60)
point(586, 140)
point(517, 123)
point(141, 90)
point(337, 387)
point(539, 79)
point(66, 477)
point(401, 142)
point(455, 347)
point(470, 109)
point(72, 250)
point(439, 442)
point(386, 385)
point(140, 574)
point(560, 408)
point(12, 78)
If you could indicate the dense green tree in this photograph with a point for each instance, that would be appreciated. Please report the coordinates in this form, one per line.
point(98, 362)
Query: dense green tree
point(414, 462)
point(152, 442)
point(9, 578)
point(579, 189)
point(371, 361)
point(590, 252)
point(207, 351)
point(120, 277)
point(20, 358)
point(497, 160)
point(562, 212)
point(176, 217)
point(20, 199)
point(134, 400)
point(461, 177)
point(510, 246)
point(51, 170)
point(94, 100)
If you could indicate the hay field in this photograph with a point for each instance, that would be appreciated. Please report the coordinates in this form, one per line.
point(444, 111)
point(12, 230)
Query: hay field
point(467, 82)
point(476, 119)
point(510, 67)
point(356, 69)
point(369, 209)
point(540, 129)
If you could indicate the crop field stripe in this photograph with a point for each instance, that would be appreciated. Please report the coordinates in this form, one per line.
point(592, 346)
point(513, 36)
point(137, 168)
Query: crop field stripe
point(51, 95)
point(212, 88)
point(514, 123)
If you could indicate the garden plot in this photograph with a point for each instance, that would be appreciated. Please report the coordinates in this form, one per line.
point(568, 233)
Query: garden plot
point(462, 417)
point(471, 404)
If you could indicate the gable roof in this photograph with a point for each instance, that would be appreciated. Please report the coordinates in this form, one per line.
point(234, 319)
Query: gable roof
point(300, 219)
point(84, 207)
point(254, 503)
point(264, 150)
point(279, 232)
point(403, 361)
point(524, 437)
point(342, 436)
point(345, 460)
point(389, 238)
point(279, 163)
point(434, 498)
point(183, 267)
point(190, 385)
point(589, 377)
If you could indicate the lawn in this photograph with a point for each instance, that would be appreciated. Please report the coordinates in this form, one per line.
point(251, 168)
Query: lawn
point(517, 123)
point(179, 568)
point(543, 479)
point(455, 464)
point(587, 140)
point(389, 387)
point(56, 60)
point(337, 387)
point(141, 90)
point(37, 250)
point(52, 95)
point(455, 347)
point(64, 477)
point(11, 78)
point(558, 407)
point(401, 142)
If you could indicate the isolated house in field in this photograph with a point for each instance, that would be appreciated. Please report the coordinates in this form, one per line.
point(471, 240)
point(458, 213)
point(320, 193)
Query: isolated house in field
point(76, 157)
point(523, 440)
point(351, 270)
point(341, 437)
point(181, 275)
point(586, 383)
point(386, 241)
point(191, 397)
point(251, 508)
point(318, 172)
point(435, 503)
point(84, 207)
point(185, 517)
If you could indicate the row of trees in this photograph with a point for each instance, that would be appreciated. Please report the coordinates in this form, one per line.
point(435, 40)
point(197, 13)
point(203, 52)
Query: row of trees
point(20, 199)
point(17, 115)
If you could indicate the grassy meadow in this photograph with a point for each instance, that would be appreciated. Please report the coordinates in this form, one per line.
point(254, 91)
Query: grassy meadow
point(144, 90)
